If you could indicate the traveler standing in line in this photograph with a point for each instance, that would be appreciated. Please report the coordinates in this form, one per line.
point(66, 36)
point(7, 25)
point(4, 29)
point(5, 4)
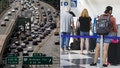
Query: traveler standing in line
point(85, 25)
point(113, 30)
point(66, 26)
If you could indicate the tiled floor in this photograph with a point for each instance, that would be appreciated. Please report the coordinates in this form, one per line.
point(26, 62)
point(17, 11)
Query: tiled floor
point(73, 59)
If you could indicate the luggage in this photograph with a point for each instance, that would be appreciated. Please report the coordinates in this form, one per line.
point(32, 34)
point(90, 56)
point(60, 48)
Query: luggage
point(92, 43)
point(113, 53)
point(75, 45)
point(118, 52)
point(103, 25)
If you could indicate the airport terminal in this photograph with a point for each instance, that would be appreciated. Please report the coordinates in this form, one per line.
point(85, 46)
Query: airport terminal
point(74, 57)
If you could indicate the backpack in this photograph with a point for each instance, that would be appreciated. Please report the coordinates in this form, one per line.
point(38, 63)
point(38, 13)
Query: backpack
point(103, 25)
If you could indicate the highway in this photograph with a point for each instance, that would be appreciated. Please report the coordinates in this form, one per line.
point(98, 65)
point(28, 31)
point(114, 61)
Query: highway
point(47, 46)
point(5, 31)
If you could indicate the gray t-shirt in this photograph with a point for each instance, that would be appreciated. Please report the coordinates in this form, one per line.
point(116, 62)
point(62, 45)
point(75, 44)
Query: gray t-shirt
point(65, 22)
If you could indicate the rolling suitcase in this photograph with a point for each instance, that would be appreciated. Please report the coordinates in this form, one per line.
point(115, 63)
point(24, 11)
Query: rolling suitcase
point(118, 52)
point(112, 53)
point(92, 43)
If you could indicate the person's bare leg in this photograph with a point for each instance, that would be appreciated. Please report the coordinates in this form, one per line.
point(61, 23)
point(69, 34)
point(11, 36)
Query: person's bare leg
point(87, 45)
point(81, 45)
point(105, 52)
point(97, 52)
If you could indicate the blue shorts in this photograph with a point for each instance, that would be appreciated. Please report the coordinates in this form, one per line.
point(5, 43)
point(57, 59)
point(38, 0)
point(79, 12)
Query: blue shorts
point(106, 40)
point(84, 33)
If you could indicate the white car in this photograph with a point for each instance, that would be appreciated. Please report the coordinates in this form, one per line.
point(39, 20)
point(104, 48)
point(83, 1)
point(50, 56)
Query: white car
point(6, 18)
point(12, 66)
point(25, 53)
point(3, 23)
point(13, 10)
point(30, 49)
point(23, 45)
point(9, 13)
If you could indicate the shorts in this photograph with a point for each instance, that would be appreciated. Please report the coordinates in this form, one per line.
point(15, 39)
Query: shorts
point(84, 33)
point(106, 40)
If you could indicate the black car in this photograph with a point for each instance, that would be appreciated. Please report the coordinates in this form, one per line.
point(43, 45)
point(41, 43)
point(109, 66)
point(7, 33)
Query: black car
point(26, 41)
point(19, 48)
point(35, 42)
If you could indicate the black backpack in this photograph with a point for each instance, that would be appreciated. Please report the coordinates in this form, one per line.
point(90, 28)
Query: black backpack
point(103, 25)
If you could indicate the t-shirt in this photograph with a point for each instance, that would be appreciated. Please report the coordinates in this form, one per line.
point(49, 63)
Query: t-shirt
point(65, 22)
point(84, 23)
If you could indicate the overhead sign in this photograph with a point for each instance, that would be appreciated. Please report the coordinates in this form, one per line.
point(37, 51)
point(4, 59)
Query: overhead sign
point(12, 60)
point(13, 55)
point(38, 60)
point(37, 54)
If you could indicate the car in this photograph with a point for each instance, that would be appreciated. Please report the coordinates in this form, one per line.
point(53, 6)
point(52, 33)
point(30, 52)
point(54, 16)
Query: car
point(9, 13)
point(38, 39)
point(33, 36)
point(3, 23)
point(6, 18)
point(13, 46)
point(23, 38)
point(17, 43)
point(37, 17)
point(32, 25)
point(30, 38)
point(57, 42)
point(41, 36)
point(19, 48)
point(30, 49)
point(38, 4)
point(25, 53)
point(53, 25)
point(28, 34)
point(16, 8)
point(12, 66)
point(23, 45)
point(35, 42)
point(42, 29)
point(42, 7)
point(26, 41)
point(36, 8)
point(13, 10)
point(56, 33)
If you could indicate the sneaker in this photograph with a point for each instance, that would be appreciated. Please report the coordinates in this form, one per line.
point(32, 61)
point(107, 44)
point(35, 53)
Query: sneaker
point(93, 64)
point(105, 65)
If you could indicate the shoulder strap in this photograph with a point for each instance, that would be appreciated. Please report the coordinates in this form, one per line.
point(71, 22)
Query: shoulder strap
point(108, 17)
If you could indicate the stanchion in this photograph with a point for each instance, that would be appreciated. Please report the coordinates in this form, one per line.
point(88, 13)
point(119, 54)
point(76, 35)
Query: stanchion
point(101, 51)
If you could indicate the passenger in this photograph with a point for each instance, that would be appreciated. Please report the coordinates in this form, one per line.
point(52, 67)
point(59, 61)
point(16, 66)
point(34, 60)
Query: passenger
point(113, 30)
point(71, 12)
point(84, 24)
point(65, 28)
